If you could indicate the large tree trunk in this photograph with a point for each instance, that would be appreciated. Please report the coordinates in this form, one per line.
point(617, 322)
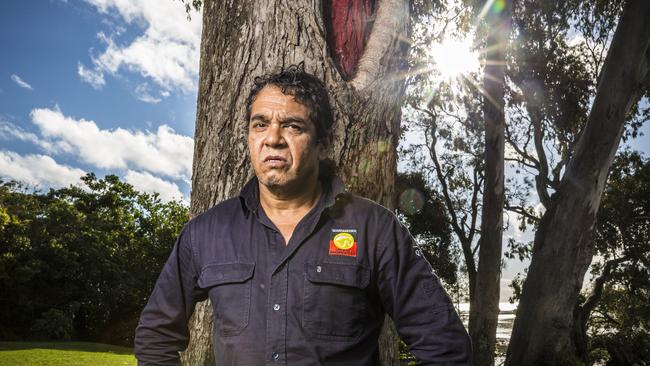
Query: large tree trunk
point(562, 252)
point(484, 306)
point(243, 39)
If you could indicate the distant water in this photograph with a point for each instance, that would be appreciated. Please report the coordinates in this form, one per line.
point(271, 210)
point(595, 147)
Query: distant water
point(506, 318)
point(504, 325)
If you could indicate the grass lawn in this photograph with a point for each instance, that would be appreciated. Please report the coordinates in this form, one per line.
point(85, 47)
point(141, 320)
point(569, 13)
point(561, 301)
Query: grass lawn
point(64, 354)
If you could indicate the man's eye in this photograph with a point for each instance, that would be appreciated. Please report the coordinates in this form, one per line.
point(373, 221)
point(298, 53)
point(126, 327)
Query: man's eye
point(294, 127)
point(258, 125)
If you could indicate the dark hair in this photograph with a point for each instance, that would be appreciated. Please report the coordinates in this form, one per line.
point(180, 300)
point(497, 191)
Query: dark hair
point(307, 90)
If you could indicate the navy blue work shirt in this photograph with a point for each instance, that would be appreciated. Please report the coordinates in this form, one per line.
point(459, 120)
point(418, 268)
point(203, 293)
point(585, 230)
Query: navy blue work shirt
point(320, 300)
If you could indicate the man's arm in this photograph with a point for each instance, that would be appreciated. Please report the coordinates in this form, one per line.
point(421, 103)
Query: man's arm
point(162, 330)
point(421, 309)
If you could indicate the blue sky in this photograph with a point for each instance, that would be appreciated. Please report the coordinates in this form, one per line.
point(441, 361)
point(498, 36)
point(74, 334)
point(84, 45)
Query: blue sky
point(107, 86)
point(104, 86)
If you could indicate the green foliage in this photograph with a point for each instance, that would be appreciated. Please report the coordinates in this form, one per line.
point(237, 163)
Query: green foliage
point(517, 285)
point(92, 253)
point(192, 5)
point(619, 327)
point(422, 210)
point(406, 358)
point(54, 324)
point(620, 324)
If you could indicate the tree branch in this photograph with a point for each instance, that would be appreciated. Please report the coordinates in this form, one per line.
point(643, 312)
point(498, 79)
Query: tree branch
point(520, 210)
point(541, 179)
point(588, 306)
point(462, 237)
point(477, 182)
point(532, 162)
point(431, 131)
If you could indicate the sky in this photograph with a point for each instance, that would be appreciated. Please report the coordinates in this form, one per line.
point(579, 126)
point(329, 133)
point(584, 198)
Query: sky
point(110, 87)
point(103, 86)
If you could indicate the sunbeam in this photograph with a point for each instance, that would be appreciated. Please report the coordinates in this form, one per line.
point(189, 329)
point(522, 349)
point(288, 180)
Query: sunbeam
point(454, 58)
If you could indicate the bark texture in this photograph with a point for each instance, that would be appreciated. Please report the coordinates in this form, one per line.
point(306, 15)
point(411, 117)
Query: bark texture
point(543, 330)
point(244, 39)
point(484, 306)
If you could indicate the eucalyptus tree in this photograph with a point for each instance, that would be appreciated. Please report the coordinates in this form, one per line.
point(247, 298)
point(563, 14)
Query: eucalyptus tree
point(582, 94)
point(357, 48)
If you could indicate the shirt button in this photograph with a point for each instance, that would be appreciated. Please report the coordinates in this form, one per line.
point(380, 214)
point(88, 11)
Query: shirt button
point(275, 356)
point(276, 307)
point(319, 269)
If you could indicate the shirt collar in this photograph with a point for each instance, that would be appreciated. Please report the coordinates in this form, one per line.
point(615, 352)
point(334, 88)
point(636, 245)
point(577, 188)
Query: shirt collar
point(250, 194)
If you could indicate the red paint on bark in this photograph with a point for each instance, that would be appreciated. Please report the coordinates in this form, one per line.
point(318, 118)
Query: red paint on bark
point(348, 24)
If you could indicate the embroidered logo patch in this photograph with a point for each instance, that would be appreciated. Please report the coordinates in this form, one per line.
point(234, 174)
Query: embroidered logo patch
point(343, 242)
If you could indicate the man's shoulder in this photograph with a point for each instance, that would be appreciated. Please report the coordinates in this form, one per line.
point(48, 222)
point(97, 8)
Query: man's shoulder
point(217, 214)
point(355, 206)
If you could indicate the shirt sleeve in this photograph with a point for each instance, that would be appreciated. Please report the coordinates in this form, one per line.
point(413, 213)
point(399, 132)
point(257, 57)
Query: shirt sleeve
point(412, 295)
point(162, 330)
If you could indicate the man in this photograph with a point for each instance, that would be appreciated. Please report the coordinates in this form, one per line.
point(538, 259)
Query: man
point(299, 272)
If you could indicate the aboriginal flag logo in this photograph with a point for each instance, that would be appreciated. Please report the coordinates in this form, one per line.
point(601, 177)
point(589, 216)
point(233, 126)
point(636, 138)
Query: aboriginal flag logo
point(343, 242)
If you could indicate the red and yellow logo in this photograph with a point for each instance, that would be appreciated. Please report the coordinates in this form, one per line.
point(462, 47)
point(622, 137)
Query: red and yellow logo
point(343, 243)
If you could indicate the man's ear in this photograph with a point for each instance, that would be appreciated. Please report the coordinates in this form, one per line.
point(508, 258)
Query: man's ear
point(323, 145)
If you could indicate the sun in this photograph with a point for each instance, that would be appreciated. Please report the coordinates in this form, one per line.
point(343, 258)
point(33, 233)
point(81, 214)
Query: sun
point(454, 58)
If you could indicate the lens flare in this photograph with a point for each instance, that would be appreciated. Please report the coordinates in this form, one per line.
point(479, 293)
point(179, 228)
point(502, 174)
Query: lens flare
point(411, 201)
point(498, 6)
point(383, 145)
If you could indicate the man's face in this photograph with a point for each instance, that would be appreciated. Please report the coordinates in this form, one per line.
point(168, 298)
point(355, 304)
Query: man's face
point(282, 141)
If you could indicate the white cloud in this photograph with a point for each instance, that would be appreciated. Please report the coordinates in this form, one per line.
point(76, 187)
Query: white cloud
point(37, 170)
point(93, 77)
point(10, 131)
point(161, 152)
point(168, 50)
point(21, 83)
point(145, 182)
point(143, 94)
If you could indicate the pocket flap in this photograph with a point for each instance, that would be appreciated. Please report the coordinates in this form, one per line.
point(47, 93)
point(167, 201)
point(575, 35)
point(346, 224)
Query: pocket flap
point(220, 273)
point(353, 275)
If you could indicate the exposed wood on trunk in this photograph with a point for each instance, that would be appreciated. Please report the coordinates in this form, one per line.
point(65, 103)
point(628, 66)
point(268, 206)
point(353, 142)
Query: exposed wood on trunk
point(484, 305)
point(390, 16)
point(348, 24)
point(562, 252)
point(243, 39)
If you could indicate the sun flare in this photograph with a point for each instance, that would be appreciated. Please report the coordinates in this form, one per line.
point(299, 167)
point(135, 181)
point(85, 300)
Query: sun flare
point(454, 58)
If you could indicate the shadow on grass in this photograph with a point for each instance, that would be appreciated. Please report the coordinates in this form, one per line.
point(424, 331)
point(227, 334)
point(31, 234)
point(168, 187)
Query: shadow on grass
point(66, 346)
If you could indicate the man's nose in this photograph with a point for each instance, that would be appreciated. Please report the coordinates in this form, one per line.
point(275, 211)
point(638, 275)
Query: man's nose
point(274, 135)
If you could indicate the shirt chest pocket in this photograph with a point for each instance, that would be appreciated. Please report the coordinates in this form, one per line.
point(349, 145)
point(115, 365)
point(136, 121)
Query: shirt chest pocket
point(229, 287)
point(335, 301)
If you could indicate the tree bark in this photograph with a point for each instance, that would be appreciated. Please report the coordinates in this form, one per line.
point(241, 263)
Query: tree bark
point(244, 39)
point(562, 251)
point(484, 305)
